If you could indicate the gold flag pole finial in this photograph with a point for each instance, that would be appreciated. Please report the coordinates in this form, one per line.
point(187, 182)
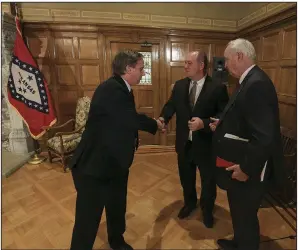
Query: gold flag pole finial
point(16, 9)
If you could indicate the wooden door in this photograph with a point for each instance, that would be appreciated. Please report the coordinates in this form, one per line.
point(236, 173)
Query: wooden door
point(147, 91)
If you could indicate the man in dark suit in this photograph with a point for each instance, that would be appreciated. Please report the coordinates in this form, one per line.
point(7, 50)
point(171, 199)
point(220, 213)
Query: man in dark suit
point(100, 165)
point(247, 143)
point(194, 100)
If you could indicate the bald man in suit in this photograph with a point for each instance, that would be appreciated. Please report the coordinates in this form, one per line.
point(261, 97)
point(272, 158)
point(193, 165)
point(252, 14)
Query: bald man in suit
point(194, 100)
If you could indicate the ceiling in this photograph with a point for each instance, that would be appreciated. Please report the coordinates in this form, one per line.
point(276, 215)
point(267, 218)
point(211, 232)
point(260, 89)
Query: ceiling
point(223, 10)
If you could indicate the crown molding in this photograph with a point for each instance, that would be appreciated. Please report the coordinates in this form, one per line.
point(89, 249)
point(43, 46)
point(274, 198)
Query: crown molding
point(290, 14)
point(263, 13)
point(149, 20)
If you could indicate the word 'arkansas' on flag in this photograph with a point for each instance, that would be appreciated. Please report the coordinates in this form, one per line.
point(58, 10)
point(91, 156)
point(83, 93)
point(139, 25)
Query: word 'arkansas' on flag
point(27, 89)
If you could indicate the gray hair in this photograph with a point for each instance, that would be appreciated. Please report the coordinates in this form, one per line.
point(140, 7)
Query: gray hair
point(244, 46)
point(123, 59)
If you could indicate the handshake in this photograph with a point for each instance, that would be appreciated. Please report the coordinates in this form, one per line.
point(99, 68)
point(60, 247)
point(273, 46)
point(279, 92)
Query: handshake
point(195, 124)
point(161, 124)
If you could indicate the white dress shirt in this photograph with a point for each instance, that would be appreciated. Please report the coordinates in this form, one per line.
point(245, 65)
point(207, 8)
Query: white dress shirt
point(240, 81)
point(200, 85)
point(245, 73)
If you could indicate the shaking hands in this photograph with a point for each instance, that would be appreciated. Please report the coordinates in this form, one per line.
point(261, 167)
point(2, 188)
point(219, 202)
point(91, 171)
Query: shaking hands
point(194, 124)
point(161, 124)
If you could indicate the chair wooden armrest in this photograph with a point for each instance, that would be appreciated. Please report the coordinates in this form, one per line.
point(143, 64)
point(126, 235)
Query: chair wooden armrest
point(60, 126)
point(71, 132)
point(50, 131)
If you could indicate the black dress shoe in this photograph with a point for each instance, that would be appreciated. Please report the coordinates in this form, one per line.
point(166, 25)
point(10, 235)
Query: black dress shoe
point(227, 244)
point(123, 246)
point(186, 211)
point(208, 220)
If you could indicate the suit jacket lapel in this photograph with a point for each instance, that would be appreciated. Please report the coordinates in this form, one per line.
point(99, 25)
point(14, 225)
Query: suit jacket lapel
point(122, 83)
point(234, 96)
point(186, 98)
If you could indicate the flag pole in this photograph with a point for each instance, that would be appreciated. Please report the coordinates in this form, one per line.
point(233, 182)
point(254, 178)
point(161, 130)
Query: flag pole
point(36, 158)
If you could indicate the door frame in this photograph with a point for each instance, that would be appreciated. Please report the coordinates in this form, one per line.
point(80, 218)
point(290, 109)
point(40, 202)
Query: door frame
point(158, 54)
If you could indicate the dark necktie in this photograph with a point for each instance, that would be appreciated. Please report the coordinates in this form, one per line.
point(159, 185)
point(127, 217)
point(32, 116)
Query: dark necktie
point(192, 94)
point(136, 133)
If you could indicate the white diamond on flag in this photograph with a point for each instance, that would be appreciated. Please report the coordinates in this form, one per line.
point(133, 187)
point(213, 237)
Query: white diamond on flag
point(26, 88)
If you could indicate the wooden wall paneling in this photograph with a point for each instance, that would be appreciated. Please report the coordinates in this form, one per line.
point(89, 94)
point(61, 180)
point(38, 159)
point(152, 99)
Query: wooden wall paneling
point(163, 79)
point(90, 63)
point(65, 55)
point(53, 80)
point(177, 50)
point(289, 42)
point(287, 87)
point(78, 57)
point(102, 55)
point(156, 86)
point(270, 46)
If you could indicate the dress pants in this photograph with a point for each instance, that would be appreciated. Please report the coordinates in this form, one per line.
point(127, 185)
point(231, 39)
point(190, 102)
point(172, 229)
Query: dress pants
point(187, 173)
point(92, 196)
point(244, 200)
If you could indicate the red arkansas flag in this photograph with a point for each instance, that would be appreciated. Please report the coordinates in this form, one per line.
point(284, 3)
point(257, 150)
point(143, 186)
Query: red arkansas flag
point(27, 89)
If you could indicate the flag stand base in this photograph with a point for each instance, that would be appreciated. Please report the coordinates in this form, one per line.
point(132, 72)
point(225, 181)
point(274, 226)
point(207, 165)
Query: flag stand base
point(36, 159)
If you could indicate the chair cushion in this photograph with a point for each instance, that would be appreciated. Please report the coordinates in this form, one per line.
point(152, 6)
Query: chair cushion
point(70, 142)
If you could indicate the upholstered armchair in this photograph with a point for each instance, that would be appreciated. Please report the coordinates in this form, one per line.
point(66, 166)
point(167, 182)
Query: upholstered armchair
point(61, 144)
